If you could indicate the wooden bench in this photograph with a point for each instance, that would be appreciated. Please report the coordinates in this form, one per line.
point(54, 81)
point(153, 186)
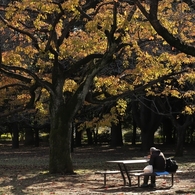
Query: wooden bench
point(164, 173)
point(106, 172)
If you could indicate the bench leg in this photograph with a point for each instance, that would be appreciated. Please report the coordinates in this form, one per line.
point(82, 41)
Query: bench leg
point(172, 179)
point(121, 170)
point(138, 181)
point(104, 179)
point(126, 171)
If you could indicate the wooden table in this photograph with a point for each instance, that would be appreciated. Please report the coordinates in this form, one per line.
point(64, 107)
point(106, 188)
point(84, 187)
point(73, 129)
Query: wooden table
point(123, 168)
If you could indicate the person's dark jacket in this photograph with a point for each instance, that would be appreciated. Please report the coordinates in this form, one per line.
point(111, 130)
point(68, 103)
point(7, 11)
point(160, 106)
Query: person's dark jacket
point(157, 160)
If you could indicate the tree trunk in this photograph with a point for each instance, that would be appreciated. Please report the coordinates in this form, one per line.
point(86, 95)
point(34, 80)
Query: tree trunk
point(168, 131)
point(78, 138)
point(36, 138)
point(116, 135)
point(134, 133)
point(15, 135)
point(60, 138)
point(148, 121)
point(147, 139)
point(181, 125)
point(29, 137)
point(89, 136)
point(180, 141)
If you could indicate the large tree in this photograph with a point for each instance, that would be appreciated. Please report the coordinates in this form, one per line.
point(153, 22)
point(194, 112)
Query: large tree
point(60, 46)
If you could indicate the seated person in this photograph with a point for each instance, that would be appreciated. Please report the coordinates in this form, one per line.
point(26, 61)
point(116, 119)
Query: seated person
point(157, 160)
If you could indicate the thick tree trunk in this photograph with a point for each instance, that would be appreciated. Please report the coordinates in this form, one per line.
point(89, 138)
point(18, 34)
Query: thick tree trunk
point(60, 138)
point(60, 149)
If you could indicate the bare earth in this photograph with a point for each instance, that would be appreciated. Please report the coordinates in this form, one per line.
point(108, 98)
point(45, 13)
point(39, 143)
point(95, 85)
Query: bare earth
point(25, 171)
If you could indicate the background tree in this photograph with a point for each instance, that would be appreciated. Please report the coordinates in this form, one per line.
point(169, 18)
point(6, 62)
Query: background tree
point(175, 27)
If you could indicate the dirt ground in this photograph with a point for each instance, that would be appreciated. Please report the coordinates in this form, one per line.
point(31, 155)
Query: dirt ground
point(25, 171)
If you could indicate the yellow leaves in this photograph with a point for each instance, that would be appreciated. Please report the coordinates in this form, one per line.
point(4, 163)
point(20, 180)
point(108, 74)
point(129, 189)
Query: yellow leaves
point(190, 77)
point(70, 85)
point(121, 107)
point(178, 19)
point(190, 94)
point(11, 58)
point(40, 106)
point(81, 44)
point(175, 93)
point(112, 117)
point(189, 110)
point(23, 97)
point(28, 50)
point(71, 5)
point(150, 67)
point(18, 13)
point(112, 85)
point(107, 119)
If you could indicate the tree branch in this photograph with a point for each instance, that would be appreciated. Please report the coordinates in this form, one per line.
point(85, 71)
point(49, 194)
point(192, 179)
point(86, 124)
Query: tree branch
point(161, 30)
point(42, 83)
point(34, 40)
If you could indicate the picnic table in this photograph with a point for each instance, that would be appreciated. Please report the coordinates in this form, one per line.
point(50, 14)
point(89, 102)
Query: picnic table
point(124, 170)
point(128, 171)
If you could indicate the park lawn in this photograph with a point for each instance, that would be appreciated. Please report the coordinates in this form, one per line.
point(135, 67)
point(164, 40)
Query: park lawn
point(25, 171)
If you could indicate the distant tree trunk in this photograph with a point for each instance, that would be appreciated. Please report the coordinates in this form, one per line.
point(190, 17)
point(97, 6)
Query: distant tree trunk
point(29, 137)
point(72, 138)
point(95, 135)
point(168, 131)
point(134, 133)
point(15, 135)
point(148, 121)
point(89, 136)
point(181, 126)
point(78, 136)
point(180, 141)
point(36, 137)
point(116, 135)
point(147, 138)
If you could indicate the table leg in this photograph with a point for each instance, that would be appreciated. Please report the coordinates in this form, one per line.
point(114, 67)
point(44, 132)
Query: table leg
point(123, 176)
point(172, 179)
point(127, 173)
point(104, 179)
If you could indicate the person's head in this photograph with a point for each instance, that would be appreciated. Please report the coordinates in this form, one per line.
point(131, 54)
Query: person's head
point(152, 149)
